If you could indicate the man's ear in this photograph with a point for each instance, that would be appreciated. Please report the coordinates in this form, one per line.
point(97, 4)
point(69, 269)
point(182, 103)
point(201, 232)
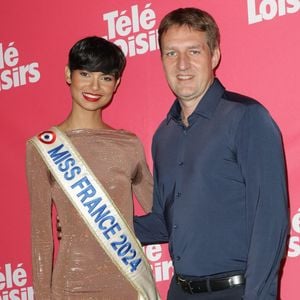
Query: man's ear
point(68, 75)
point(216, 57)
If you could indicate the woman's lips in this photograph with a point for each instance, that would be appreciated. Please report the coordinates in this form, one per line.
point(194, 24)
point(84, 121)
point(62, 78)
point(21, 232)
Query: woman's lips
point(91, 97)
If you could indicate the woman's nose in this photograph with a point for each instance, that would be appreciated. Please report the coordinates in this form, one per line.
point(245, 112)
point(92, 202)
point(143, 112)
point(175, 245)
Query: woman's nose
point(95, 83)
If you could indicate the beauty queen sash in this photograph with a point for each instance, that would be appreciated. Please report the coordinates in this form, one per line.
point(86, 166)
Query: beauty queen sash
point(97, 209)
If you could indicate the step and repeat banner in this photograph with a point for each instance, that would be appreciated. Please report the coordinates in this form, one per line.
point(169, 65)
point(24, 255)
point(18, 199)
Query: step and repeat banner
point(260, 44)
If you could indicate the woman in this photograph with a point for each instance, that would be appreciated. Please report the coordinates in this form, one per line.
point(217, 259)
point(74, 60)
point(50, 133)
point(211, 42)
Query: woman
point(82, 269)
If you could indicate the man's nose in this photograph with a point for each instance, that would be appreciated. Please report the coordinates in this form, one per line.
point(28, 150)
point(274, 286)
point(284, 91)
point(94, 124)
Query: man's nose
point(183, 61)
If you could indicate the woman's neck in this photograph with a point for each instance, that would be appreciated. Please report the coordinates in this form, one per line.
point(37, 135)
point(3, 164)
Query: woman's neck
point(91, 120)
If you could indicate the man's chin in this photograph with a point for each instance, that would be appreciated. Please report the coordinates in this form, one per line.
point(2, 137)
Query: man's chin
point(186, 97)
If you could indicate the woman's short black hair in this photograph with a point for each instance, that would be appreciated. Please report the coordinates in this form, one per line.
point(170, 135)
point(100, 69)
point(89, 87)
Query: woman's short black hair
point(96, 54)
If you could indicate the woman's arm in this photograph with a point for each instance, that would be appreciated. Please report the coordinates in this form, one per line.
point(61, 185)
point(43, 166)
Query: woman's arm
point(38, 181)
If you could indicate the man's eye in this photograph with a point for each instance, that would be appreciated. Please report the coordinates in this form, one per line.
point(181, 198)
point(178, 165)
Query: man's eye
point(195, 52)
point(170, 53)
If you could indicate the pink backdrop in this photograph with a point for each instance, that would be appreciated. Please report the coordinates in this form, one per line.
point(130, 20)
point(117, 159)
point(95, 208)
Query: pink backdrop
point(260, 57)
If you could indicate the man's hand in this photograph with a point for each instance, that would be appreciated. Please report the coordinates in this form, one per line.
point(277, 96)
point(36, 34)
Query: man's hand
point(58, 228)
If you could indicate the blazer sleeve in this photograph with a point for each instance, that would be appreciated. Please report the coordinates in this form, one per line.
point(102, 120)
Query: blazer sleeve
point(38, 181)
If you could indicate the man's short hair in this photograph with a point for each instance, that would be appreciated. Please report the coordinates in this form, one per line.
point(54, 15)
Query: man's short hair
point(193, 18)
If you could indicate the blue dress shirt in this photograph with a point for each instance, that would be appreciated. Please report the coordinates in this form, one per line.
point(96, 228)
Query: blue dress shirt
point(220, 194)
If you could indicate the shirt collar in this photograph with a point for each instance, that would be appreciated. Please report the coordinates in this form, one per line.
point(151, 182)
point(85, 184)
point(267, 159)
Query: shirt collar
point(205, 107)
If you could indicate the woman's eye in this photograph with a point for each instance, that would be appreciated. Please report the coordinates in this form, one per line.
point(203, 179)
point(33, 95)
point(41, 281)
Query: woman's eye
point(84, 73)
point(108, 78)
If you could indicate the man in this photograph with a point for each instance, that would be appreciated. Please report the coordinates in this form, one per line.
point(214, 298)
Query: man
point(220, 194)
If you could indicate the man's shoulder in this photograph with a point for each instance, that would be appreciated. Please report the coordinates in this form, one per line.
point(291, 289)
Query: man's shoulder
point(237, 98)
point(162, 125)
point(244, 103)
point(250, 110)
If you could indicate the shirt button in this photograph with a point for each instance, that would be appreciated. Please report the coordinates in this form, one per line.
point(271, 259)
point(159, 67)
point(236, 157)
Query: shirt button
point(180, 163)
point(175, 226)
point(178, 258)
point(178, 195)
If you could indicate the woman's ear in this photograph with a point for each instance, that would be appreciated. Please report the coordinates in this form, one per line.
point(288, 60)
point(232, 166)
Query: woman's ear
point(117, 84)
point(68, 75)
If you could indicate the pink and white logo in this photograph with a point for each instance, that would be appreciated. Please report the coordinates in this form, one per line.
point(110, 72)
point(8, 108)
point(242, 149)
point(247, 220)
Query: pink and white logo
point(11, 73)
point(13, 282)
point(133, 29)
point(263, 10)
point(294, 241)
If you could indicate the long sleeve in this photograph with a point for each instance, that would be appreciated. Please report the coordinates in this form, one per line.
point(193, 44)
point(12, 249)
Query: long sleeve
point(261, 158)
point(151, 228)
point(41, 225)
point(142, 183)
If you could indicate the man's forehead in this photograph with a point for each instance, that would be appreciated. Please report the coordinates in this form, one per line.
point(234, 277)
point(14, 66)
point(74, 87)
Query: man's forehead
point(176, 30)
point(180, 35)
